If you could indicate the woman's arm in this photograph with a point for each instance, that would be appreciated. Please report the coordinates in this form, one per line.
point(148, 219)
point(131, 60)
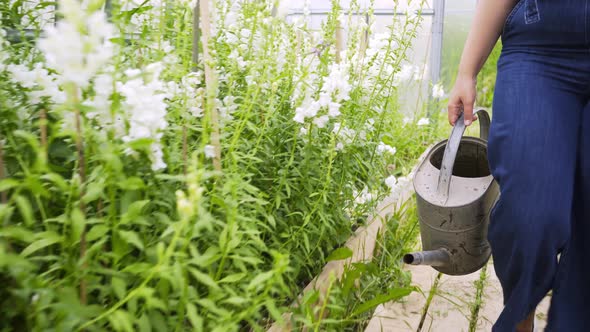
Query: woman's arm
point(487, 25)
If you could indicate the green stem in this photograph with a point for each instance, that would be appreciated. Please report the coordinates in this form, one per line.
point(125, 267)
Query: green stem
point(134, 292)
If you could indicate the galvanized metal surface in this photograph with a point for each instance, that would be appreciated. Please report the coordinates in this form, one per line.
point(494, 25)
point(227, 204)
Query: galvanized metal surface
point(455, 193)
point(438, 257)
point(472, 160)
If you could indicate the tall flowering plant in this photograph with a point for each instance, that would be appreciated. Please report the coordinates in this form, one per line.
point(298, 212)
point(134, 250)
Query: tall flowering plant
point(113, 216)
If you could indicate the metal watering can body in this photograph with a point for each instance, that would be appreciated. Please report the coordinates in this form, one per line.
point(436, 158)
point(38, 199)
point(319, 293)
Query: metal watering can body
point(455, 193)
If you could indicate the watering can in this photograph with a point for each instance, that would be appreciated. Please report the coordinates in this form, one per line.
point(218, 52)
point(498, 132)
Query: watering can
point(455, 192)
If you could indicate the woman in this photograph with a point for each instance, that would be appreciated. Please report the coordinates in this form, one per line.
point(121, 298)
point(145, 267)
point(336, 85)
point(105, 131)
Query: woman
point(539, 152)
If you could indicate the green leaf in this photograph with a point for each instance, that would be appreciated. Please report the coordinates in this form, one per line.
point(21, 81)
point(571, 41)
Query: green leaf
point(94, 191)
point(24, 207)
point(57, 180)
point(133, 211)
point(78, 223)
point(96, 232)
point(6, 211)
point(132, 183)
point(193, 317)
point(137, 268)
point(141, 144)
point(203, 278)
point(143, 324)
point(28, 137)
point(260, 279)
point(40, 244)
point(393, 294)
point(310, 297)
point(272, 221)
point(158, 321)
point(6, 184)
point(235, 300)
point(119, 287)
point(233, 278)
point(275, 313)
point(339, 254)
point(131, 238)
point(121, 320)
point(17, 233)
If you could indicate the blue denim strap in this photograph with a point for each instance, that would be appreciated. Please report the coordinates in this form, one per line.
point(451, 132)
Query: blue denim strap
point(531, 13)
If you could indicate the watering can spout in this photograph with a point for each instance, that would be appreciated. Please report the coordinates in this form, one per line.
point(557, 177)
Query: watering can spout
point(437, 257)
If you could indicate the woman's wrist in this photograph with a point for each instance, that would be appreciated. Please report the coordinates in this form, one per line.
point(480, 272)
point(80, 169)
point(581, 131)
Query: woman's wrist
point(467, 74)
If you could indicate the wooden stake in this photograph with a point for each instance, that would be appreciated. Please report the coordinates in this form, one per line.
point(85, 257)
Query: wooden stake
point(43, 127)
point(3, 196)
point(184, 148)
point(82, 175)
point(339, 42)
point(196, 36)
point(210, 83)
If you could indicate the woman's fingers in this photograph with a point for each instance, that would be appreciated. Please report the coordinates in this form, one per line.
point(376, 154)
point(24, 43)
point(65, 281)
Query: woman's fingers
point(468, 110)
point(462, 99)
point(454, 109)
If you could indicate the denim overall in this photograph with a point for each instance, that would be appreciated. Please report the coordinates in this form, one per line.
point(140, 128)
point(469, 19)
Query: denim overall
point(539, 152)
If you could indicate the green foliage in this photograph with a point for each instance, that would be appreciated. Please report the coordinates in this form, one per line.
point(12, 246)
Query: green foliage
point(93, 239)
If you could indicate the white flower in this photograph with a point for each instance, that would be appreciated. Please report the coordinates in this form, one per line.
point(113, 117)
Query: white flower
point(78, 46)
point(382, 147)
point(101, 104)
point(3, 55)
point(157, 157)
point(336, 83)
point(391, 182)
point(209, 151)
point(363, 197)
point(423, 122)
point(299, 117)
point(191, 93)
point(406, 120)
point(325, 99)
point(370, 125)
point(146, 110)
point(339, 146)
point(321, 121)
point(303, 131)
point(438, 91)
point(334, 109)
point(313, 109)
point(345, 135)
point(405, 74)
point(40, 83)
point(149, 17)
point(227, 107)
point(306, 111)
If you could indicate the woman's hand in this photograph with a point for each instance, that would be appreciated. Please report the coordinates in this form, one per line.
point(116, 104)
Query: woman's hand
point(462, 99)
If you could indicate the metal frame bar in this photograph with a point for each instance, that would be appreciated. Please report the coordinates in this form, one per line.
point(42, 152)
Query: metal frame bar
point(376, 12)
point(16, 36)
point(437, 40)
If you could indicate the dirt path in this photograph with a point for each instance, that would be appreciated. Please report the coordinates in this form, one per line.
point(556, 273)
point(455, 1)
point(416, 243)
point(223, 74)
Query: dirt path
point(466, 303)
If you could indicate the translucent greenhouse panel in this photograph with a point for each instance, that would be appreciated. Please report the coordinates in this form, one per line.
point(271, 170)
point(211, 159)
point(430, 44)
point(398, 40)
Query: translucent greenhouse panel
point(386, 13)
point(35, 13)
point(458, 18)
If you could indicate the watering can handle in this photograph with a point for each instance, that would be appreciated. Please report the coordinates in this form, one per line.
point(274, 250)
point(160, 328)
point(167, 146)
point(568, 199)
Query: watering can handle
point(446, 169)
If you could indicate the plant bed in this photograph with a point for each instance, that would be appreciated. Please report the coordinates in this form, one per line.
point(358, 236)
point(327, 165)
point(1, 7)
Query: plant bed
point(141, 194)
